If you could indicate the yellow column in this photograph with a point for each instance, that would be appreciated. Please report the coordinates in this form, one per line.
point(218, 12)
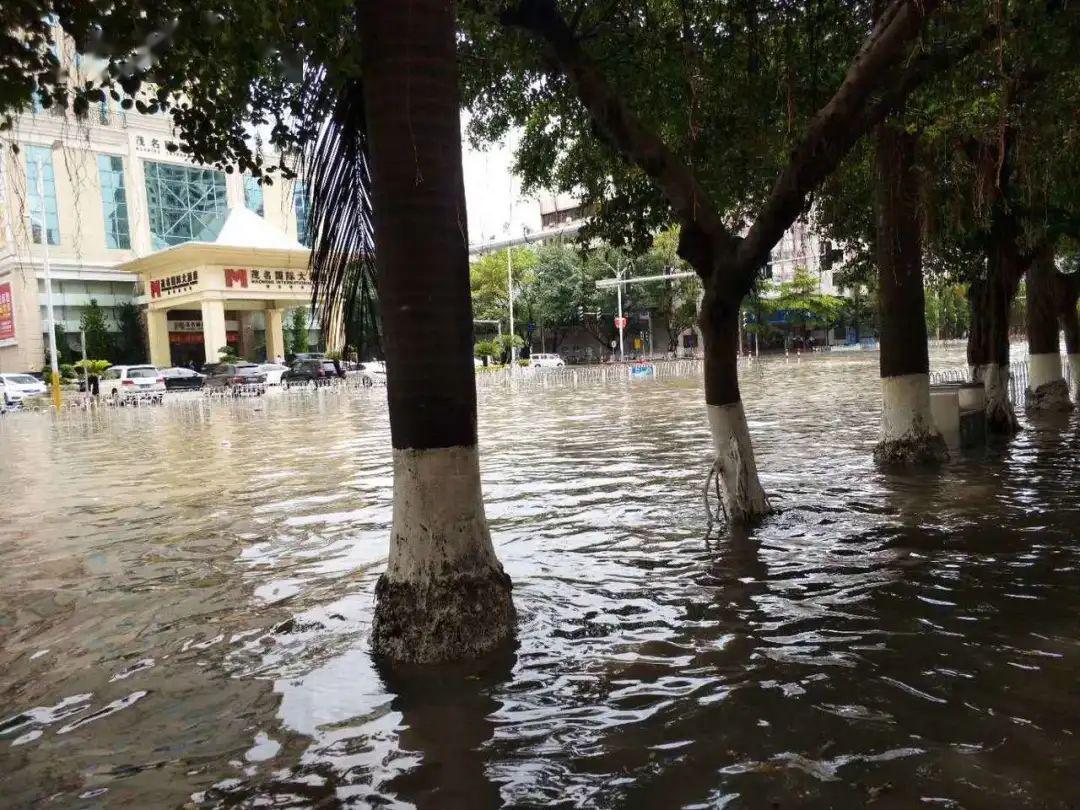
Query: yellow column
point(275, 336)
point(213, 329)
point(334, 339)
point(157, 333)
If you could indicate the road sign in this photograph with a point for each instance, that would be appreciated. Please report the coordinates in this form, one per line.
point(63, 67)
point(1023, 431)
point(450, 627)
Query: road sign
point(620, 323)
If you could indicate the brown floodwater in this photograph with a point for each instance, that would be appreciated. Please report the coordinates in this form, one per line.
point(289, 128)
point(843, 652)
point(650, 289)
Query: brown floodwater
point(186, 594)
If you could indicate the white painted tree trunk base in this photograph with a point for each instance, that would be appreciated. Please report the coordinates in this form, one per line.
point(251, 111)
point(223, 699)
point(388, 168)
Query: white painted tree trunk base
point(1043, 369)
point(908, 434)
point(444, 595)
point(741, 494)
point(1000, 416)
point(1074, 372)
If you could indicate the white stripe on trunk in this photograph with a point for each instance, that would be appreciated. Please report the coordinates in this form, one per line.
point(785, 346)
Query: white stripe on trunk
point(905, 407)
point(1074, 370)
point(742, 493)
point(439, 526)
point(1043, 369)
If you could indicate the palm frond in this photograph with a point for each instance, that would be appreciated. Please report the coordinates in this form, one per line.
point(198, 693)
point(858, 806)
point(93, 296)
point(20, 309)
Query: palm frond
point(335, 163)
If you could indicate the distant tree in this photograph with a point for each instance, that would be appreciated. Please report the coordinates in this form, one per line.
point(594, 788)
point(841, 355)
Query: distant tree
point(803, 304)
point(299, 330)
point(63, 351)
point(99, 343)
point(488, 278)
point(675, 301)
point(129, 344)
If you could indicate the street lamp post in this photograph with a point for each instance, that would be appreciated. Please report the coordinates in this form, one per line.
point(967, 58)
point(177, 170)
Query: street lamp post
point(53, 360)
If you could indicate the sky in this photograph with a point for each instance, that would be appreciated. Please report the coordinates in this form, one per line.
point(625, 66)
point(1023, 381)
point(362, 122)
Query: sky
point(496, 206)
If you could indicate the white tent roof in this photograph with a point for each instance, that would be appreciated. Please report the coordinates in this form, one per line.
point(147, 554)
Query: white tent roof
point(243, 228)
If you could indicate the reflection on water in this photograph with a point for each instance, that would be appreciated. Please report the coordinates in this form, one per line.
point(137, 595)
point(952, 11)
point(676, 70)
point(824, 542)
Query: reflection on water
point(185, 597)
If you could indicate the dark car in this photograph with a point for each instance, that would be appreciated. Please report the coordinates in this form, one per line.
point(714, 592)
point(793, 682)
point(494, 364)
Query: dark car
point(182, 379)
point(309, 371)
point(228, 375)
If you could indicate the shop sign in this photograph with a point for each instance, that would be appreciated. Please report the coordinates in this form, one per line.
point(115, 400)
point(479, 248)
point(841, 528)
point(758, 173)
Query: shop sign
point(170, 285)
point(7, 315)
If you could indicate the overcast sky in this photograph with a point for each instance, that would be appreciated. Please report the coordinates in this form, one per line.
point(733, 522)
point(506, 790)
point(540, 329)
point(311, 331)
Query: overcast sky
point(497, 209)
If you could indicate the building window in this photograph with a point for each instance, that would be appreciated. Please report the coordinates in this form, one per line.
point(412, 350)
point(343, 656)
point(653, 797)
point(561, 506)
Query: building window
point(253, 195)
point(181, 201)
point(302, 206)
point(114, 202)
point(41, 157)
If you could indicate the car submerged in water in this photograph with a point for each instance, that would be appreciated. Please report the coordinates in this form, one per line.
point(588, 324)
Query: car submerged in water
point(14, 388)
point(121, 383)
point(235, 377)
point(182, 379)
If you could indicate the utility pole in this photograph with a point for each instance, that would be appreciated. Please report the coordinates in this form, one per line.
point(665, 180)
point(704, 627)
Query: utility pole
point(510, 288)
point(619, 289)
point(53, 360)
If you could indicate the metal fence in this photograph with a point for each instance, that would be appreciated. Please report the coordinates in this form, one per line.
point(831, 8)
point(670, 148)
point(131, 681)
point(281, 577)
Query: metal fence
point(1019, 379)
point(523, 377)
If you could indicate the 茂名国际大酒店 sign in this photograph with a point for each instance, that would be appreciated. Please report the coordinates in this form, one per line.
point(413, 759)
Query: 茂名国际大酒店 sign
point(181, 282)
point(7, 314)
point(268, 279)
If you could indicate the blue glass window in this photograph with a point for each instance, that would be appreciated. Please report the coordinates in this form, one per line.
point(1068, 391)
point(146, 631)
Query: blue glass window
point(253, 195)
point(302, 206)
point(114, 202)
point(181, 201)
point(41, 157)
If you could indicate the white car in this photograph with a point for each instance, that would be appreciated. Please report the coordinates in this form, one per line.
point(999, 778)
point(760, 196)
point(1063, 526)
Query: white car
point(123, 382)
point(545, 361)
point(17, 387)
point(273, 372)
point(372, 373)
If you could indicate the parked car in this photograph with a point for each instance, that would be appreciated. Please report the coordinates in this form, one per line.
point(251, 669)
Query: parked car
point(123, 382)
point(17, 387)
point(182, 379)
point(546, 361)
point(372, 373)
point(273, 372)
point(301, 356)
point(303, 372)
point(229, 375)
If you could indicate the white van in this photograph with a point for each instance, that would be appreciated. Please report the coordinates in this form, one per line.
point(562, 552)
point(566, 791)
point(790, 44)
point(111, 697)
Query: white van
point(537, 360)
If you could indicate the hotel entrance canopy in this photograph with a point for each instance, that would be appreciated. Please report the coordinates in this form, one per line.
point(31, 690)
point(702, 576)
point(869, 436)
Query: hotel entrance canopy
point(239, 263)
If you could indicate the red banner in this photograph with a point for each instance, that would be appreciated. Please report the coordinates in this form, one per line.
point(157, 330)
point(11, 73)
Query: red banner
point(7, 313)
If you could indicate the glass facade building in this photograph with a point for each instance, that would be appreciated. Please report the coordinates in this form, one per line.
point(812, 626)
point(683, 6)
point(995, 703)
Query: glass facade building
point(181, 200)
point(41, 157)
point(253, 195)
point(302, 207)
point(114, 202)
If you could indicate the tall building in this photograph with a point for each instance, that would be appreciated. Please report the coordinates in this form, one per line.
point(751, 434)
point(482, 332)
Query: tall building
point(98, 192)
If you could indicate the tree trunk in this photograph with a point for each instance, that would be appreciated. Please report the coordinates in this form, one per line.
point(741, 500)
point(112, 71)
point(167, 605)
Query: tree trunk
point(908, 433)
point(1047, 389)
point(990, 297)
point(1070, 325)
point(444, 594)
point(743, 497)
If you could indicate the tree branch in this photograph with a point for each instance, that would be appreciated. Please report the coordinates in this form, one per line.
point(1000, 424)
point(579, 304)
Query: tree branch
point(636, 142)
point(833, 131)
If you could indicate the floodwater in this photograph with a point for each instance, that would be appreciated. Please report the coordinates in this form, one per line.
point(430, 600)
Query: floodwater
point(186, 594)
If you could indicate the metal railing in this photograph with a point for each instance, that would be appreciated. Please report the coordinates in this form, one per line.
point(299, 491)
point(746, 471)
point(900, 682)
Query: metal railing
point(1019, 378)
point(605, 373)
